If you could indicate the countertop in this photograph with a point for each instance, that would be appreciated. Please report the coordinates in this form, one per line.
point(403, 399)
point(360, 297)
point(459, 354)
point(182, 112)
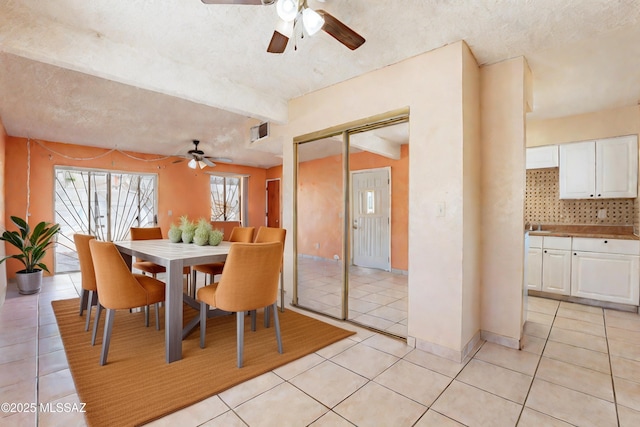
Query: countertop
point(592, 231)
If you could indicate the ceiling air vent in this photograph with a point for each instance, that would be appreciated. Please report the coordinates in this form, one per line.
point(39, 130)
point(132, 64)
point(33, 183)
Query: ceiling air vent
point(260, 131)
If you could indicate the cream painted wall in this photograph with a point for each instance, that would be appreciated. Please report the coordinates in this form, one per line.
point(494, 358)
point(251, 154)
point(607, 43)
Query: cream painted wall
point(503, 103)
point(460, 144)
point(472, 199)
point(600, 124)
point(431, 85)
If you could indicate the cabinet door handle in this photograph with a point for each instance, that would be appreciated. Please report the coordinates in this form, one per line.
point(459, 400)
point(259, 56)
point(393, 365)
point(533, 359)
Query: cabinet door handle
point(545, 252)
point(599, 195)
point(605, 241)
point(575, 253)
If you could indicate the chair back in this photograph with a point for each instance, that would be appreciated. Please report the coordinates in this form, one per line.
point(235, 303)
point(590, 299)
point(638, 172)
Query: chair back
point(146, 233)
point(226, 227)
point(250, 277)
point(270, 234)
point(117, 287)
point(242, 234)
point(86, 263)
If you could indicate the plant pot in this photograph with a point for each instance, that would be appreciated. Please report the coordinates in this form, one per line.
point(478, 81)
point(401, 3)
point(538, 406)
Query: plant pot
point(29, 283)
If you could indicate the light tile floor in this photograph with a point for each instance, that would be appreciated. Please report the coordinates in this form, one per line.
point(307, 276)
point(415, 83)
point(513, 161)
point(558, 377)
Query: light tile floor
point(580, 366)
point(377, 298)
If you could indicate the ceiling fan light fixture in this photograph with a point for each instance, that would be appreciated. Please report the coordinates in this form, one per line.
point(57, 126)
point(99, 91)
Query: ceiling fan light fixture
point(312, 21)
point(202, 164)
point(287, 9)
point(285, 28)
point(192, 163)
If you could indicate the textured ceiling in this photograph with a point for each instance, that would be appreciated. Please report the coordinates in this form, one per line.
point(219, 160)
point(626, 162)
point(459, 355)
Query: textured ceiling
point(150, 75)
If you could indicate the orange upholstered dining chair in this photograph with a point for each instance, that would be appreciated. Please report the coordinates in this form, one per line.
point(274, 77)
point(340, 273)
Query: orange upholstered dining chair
point(150, 233)
point(89, 288)
point(264, 235)
point(118, 288)
point(238, 234)
point(249, 281)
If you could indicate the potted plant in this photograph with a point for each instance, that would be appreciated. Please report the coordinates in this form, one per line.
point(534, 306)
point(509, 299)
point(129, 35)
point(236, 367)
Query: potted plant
point(188, 229)
point(32, 246)
point(201, 235)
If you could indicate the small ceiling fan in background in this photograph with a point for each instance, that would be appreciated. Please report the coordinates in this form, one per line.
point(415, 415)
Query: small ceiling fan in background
point(197, 158)
point(292, 12)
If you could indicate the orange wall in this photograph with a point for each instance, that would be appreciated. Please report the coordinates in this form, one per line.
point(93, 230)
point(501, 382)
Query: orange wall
point(182, 190)
point(3, 143)
point(274, 172)
point(320, 184)
point(320, 207)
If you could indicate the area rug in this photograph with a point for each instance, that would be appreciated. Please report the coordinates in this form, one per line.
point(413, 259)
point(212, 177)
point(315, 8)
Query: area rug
point(137, 385)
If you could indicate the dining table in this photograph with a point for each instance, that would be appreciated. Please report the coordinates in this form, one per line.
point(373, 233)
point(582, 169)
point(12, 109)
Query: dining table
point(174, 257)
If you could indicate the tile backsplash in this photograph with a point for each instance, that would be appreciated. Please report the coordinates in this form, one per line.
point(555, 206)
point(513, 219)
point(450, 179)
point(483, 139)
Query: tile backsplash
point(543, 204)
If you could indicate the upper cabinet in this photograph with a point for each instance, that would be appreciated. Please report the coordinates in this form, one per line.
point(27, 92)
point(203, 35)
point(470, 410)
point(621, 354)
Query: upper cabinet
point(542, 157)
point(600, 169)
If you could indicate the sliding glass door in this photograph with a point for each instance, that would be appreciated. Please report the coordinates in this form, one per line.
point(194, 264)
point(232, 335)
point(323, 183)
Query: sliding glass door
point(102, 203)
point(320, 226)
point(351, 224)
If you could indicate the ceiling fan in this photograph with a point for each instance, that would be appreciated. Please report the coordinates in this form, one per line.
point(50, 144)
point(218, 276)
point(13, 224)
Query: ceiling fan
point(292, 12)
point(196, 157)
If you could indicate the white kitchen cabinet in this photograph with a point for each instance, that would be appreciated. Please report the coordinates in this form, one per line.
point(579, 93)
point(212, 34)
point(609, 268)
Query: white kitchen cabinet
point(600, 169)
point(556, 265)
point(617, 167)
point(606, 270)
point(556, 271)
point(534, 269)
point(542, 157)
point(549, 264)
point(534, 263)
point(577, 170)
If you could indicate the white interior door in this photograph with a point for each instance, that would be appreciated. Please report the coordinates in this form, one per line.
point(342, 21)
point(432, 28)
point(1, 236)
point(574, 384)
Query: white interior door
point(371, 218)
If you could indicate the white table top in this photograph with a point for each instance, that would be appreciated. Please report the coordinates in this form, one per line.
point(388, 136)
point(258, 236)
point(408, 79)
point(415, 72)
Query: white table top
point(163, 251)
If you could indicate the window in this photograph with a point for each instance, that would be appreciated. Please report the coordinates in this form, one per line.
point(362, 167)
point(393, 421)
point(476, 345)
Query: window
point(226, 198)
point(103, 203)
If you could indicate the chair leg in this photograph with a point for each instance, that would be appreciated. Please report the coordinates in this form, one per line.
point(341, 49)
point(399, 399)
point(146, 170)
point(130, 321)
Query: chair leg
point(267, 316)
point(146, 316)
point(240, 336)
point(253, 315)
point(203, 322)
point(276, 321)
point(157, 316)
point(83, 300)
point(89, 305)
point(108, 326)
point(96, 321)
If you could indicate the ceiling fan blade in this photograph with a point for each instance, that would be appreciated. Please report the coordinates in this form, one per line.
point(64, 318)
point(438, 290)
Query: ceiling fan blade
point(208, 162)
point(258, 2)
point(278, 43)
point(340, 31)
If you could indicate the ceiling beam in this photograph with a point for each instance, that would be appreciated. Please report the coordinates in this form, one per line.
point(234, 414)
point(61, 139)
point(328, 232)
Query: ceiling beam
point(368, 141)
point(91, 53)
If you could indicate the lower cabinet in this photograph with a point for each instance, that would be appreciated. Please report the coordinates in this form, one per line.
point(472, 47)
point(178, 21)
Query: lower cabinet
point(605, 277)
point(556, 271)
point(534, 269)
point(599, 269)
